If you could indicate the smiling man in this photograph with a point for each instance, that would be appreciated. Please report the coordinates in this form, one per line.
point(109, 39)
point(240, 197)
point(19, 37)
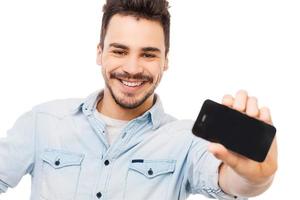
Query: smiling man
point(133, 57)
point(118, 143)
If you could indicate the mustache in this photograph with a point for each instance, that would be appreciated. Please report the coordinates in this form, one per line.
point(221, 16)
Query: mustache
point(137, 77)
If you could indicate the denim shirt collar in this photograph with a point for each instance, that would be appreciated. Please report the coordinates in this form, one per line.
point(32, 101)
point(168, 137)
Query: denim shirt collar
point(89, 104)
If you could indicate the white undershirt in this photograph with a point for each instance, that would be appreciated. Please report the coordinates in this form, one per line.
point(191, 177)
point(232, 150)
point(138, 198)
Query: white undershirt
point(113, 126)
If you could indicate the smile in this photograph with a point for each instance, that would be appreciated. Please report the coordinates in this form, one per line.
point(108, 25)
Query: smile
point(132, 84)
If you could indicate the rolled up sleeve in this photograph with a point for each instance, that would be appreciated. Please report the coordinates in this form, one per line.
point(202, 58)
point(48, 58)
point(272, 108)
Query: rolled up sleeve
point(203, 172)
point(3, 187)
point(17, 151)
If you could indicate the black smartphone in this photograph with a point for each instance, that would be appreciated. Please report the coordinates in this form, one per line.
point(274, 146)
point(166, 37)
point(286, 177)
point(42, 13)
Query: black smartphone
point(237, 131)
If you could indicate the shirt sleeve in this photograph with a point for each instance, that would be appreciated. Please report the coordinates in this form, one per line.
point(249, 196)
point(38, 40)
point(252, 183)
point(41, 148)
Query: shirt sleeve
point(203, 172)
point(17, 152)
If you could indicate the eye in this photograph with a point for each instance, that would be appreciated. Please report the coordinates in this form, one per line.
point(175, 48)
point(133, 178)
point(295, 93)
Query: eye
point(119, 52)
point(148, 55)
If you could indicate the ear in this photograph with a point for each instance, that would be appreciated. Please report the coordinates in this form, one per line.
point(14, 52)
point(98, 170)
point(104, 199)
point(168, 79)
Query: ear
point(166, 66)
point(99, 55)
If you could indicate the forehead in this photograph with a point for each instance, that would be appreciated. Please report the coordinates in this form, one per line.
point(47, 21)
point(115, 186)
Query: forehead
point(134, 33)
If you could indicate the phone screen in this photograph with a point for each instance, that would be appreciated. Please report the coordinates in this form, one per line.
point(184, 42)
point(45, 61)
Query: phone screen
point(238, 132)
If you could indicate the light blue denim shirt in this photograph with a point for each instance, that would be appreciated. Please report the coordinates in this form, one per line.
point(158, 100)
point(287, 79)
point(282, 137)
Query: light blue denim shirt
point(65, 150)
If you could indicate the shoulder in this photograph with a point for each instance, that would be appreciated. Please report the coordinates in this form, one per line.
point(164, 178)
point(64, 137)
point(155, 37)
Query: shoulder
point(182, 128)
point(58, 108)
point(177, 126)
point(181, 124)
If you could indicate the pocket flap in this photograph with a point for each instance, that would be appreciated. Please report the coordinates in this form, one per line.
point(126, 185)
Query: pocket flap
point(153, 168)
point(59, 158)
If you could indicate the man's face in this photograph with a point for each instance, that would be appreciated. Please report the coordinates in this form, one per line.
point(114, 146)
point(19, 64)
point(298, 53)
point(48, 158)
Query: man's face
point(133, 59)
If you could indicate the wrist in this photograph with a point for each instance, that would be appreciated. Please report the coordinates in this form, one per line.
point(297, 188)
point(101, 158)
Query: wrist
point(238, 185)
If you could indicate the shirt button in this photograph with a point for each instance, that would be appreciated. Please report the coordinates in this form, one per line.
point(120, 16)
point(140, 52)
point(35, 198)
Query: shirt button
point(99, 195)
point(106, 162)
point(57, 162)
point(150, 172)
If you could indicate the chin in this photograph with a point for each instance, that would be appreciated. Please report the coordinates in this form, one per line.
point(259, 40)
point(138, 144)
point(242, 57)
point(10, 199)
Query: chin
point(130, 100)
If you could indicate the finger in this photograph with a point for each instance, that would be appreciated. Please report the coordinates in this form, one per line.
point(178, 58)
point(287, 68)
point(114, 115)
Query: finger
point(252, 107)
point(227, 100)
point(240, 101)
point(221, 153)
point(265, 115)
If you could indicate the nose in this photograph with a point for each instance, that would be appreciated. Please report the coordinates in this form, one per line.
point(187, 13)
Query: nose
point(132, 65)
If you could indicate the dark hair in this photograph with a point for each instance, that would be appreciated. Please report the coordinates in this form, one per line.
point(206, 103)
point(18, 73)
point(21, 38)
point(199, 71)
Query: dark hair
point(156, 10)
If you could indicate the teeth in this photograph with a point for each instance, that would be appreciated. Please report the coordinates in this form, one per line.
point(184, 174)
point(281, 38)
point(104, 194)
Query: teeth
point(132, 84)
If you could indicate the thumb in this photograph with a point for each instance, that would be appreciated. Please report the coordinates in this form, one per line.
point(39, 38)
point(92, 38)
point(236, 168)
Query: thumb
point(221, 153)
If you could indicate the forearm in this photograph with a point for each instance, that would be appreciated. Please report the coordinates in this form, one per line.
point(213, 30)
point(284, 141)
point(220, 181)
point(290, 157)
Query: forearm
point(236, 185)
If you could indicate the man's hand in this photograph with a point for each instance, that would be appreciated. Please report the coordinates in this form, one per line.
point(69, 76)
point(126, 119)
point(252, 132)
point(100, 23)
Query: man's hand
point(251, 174)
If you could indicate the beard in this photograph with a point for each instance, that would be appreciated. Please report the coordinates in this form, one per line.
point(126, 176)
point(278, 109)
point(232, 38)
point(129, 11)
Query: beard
point(130, 100)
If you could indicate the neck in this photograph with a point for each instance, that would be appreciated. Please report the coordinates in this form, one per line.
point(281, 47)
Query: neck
point(107, 106)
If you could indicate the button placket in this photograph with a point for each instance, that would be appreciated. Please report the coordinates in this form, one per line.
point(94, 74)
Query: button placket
point(106, 170)
point(99, 130)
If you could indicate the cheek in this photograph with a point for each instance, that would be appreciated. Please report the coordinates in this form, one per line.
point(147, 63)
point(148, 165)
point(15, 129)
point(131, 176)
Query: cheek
point(103, 71)
point(110, 64)
point(155, 69)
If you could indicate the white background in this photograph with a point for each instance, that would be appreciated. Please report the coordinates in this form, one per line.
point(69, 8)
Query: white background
point(48, 49)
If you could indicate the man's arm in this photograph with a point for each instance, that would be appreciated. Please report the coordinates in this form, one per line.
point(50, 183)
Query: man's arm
point(17, 152)
point(236, 185)
point(3, 187)
point(239, 175)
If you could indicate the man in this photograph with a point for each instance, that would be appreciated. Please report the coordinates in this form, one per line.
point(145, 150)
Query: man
point(118, 143)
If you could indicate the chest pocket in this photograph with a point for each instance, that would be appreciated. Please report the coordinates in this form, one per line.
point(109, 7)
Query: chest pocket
point(60, 173)
point(148, 179)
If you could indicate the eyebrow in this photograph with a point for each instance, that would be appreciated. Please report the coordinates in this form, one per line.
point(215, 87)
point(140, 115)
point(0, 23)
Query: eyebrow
point(145, 49)
point(153, 49)
point(119, 46)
